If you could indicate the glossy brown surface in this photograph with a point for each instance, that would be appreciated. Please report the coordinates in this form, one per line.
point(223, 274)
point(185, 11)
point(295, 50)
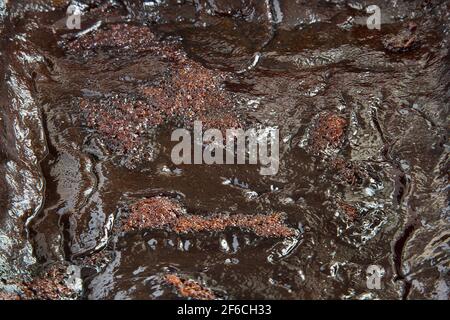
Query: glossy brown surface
point(91, 205)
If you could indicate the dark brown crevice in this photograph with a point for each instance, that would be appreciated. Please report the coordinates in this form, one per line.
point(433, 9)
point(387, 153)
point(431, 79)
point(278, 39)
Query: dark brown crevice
point(407, 290)
point(398, 252)
point(402, 186)
point(376, 122)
